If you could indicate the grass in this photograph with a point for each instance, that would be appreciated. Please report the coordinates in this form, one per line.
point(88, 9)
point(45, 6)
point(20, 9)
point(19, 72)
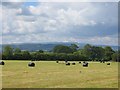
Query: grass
point(16, 74)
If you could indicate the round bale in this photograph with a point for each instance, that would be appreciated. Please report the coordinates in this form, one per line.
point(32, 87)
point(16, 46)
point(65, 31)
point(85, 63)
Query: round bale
point(66, 61)
point(79, 62)
point(73, 63)
point(85, 64)
point(67, 64)
point(2, 63)
point(57, 61)
point(103, 61)
point(100, 61)
point(31, 64)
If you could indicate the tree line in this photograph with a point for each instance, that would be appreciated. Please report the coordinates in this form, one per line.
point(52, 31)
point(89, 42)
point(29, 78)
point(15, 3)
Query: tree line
point(63, 52)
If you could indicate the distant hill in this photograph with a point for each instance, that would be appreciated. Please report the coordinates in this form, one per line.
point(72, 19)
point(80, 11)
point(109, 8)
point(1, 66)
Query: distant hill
point(46, 46)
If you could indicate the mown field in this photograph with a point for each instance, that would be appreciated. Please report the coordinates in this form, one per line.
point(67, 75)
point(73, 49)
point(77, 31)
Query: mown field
point(49, 74)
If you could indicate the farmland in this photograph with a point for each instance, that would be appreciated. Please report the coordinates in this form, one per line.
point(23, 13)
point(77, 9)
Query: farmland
point(49, 74)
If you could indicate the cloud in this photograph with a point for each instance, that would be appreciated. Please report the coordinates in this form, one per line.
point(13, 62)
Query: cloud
point(11, 4)
point(78, 0)
point(50, 22)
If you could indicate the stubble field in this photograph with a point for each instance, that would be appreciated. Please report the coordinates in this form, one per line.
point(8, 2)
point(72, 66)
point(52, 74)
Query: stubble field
point(49, 74)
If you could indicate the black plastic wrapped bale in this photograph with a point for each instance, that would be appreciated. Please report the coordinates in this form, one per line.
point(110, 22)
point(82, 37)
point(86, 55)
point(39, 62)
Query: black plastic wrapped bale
point(108, 63)
point(85, 64)
point(2, 63)
point(31, 64)
point(100, 61)
point(67, 63)
point(79, 62)
point(57, 61)
point(73, 63)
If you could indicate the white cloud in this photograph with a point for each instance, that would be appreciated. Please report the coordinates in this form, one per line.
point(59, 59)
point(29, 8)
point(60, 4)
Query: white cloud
point(49, 22)
point(78, 0)
point(17, 1)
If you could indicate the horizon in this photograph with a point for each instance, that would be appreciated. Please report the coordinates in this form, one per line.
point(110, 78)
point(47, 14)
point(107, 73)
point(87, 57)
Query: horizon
point(59, 43)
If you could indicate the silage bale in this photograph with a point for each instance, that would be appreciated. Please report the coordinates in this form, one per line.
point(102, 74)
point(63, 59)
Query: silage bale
point(2, 63)
point(31, 64)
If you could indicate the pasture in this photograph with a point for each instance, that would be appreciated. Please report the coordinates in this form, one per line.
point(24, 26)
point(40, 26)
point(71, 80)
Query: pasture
point(49, 74)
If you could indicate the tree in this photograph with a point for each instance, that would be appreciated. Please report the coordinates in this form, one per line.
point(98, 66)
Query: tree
point(108, 53)
point(41, 51)
point(116, 56)
point(0, 56)
point(8, 52)
point(97, 53)
point(17, 51)
point(26, 55)
point(88, 51)
point(62, 49)
point(93, 52)
point(74, 47)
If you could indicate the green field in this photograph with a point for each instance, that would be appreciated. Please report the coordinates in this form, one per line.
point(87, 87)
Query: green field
point(16, 74)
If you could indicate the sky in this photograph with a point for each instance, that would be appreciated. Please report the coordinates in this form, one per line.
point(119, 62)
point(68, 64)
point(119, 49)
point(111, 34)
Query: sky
point(40, 22)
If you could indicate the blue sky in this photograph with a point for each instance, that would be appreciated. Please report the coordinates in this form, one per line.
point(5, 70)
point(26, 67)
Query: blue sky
point(38, 22)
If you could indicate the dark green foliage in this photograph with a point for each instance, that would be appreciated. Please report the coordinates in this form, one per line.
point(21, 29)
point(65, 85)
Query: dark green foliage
point(0, 56)
point(41, 51)
point(62, 49)
point(26, 55)
point(116, 56)
point(108, 53)
point(18, 56)
point(74, 47)
point(8, 52)
point(64, 53)
point(17, 51)
point(93, 53)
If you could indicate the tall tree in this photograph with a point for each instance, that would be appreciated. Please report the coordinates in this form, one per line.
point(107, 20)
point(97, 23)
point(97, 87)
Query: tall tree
point(0, 56)
point(8, 52)
point(41, 51)
point(93, 52)
point(26, 55)
point(88, 51)
point(17, 51)
point(62, 49)
point(108, 52)
point(116, 56)
point(74, 47)
point(97, 53)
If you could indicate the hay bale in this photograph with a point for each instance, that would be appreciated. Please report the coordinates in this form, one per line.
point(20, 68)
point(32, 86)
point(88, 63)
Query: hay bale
point(79, 62)
point(108, 63)
point(67, 64)
point(57, 61)
point(85, 64)
point(2, 63)
point(103, 61)
point(66, 61)
point(73, 63)
point(100, 61)
point(31, 64)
